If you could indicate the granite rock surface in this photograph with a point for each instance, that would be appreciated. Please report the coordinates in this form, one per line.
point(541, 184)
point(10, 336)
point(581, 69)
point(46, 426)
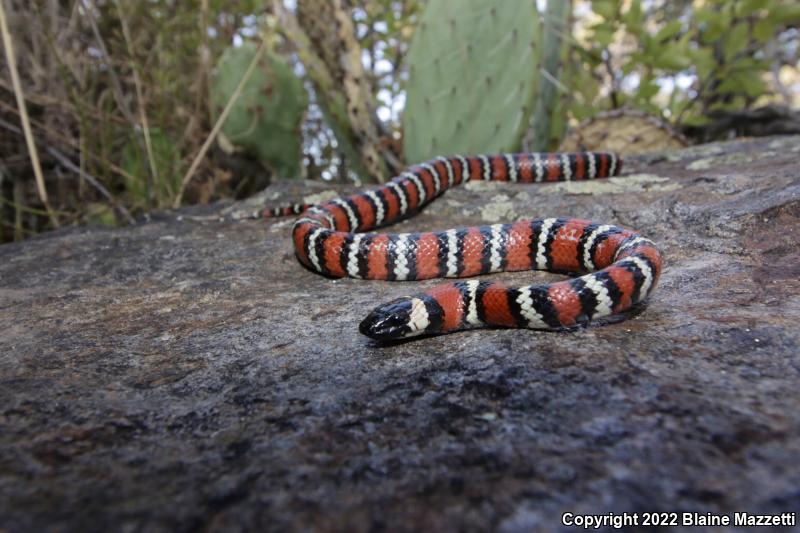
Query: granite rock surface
point(187, 373)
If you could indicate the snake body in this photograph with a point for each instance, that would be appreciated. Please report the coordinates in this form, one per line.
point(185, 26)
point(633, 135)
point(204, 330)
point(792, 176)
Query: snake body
point(623, 267)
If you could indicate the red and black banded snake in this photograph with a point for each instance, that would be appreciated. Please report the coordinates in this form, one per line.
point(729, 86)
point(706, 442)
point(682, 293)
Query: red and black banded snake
point(623, 267)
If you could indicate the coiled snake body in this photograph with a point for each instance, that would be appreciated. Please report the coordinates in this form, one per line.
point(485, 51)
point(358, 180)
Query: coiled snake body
point(623, 266)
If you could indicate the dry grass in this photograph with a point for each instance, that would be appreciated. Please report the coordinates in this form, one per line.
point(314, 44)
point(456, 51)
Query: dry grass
point(117, 97)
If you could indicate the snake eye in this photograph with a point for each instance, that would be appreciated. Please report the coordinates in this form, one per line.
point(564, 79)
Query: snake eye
point(389, 321)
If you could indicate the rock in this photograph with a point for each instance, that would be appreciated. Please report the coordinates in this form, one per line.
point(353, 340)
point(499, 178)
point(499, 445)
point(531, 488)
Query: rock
point(187, 373)
point(625, 131)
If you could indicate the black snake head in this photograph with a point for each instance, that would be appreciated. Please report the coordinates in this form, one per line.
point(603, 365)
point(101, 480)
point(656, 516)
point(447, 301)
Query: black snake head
point(389, 321)
point(403, 318)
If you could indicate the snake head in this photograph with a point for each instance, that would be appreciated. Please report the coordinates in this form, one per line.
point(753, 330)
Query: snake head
point(400, 319)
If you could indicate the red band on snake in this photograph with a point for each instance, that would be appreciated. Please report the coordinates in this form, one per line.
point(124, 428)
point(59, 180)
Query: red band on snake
point(623, 266)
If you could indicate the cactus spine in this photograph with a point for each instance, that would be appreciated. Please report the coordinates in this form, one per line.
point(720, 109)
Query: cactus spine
point(265, 120)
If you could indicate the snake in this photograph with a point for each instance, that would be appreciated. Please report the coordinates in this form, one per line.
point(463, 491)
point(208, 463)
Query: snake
point(612, 268)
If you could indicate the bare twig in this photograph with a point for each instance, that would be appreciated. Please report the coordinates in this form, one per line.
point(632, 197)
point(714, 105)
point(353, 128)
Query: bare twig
point(19, 232)
point(20, 207)
point(614, 94)
point(70, 142)
point(23, 112)
point(205, 59)
point(139, 96)
point(91, 180)
point(116, 85)
point(218, 125)
point(69, 165)
point(45, 100)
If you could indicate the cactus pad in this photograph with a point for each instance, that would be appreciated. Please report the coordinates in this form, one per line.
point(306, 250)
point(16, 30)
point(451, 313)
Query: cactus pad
point(473, 71)
point(549, 119)
point(265, 120)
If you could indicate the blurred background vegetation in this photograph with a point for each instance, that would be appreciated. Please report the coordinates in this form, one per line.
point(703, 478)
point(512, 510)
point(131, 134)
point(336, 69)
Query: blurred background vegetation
point(138, 105)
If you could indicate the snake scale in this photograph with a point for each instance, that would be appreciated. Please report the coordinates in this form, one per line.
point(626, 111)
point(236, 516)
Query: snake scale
point(620, 267)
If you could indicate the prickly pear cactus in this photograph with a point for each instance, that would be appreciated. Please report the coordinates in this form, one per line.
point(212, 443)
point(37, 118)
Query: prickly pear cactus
point(549, 120)
point(265, 119)
point(473, 71)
